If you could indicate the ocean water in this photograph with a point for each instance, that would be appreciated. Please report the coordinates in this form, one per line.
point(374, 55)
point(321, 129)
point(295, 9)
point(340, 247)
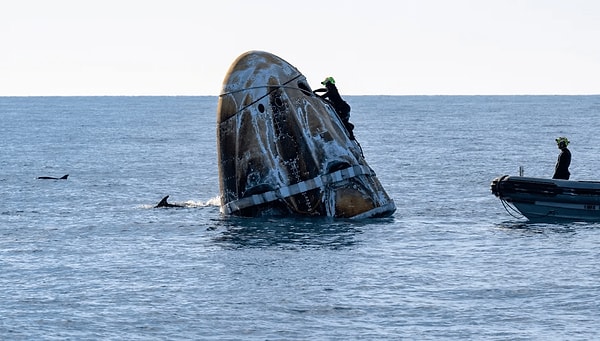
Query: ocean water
point(89, 258)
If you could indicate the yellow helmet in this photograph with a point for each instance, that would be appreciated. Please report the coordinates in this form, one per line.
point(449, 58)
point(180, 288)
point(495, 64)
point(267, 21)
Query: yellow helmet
point(562, 140)
point(328, 80)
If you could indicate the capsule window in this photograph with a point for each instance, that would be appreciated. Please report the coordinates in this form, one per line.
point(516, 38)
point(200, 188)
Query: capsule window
point(305, 88)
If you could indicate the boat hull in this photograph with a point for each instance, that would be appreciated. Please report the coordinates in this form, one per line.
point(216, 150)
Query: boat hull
point(541, 199)
point(282, 150)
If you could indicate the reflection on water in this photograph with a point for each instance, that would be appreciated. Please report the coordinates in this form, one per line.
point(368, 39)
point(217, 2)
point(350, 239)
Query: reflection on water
point(545, 227)
point(290, 232)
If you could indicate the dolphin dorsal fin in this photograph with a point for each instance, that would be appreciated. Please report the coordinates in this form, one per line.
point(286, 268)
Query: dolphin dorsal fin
point(163, 202)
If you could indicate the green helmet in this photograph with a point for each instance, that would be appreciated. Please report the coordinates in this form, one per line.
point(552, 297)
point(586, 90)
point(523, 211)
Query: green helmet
point(328, 80)
point(562, 140)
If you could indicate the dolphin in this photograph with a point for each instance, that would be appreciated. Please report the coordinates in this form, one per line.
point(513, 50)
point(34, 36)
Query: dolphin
point(64, 177)
point(164, 203)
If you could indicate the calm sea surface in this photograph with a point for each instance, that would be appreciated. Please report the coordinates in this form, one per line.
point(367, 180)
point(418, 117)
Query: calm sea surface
point(90, 259)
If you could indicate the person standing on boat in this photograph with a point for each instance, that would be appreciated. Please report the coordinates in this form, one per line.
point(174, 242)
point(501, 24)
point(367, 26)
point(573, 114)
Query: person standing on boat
point(561, 170)
point(342, 108)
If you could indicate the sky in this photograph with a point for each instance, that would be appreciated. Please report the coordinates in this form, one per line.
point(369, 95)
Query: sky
point(371, 47)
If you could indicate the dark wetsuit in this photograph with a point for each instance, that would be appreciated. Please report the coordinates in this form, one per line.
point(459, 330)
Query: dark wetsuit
point(562, 165)
point(341, 107)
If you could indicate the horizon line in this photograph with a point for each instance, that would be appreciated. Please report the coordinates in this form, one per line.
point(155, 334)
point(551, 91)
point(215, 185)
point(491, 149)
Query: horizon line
point(346, 95)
